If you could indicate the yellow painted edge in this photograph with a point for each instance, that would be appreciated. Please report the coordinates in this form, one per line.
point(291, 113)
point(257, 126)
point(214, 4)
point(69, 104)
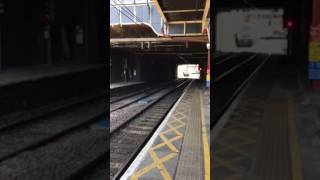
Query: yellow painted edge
point(206, 150)
point(294, 142)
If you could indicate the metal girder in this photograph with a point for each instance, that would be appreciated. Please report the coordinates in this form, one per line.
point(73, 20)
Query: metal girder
point(161, 39)
point(173, 53)
point(156, 3)
point(182, 22)
point(183, 11)
point(205, 14)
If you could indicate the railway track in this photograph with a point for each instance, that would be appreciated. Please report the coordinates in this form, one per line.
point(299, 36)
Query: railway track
point(121, 93)
point(60, 159)
point(47, 126)
point(127, 139)
point(33, 147)
point(230, 78)
point(100, 169)
point(64, 144)
point(38, 131)
point(11, 120)
point(130, 92)
point(139, 95)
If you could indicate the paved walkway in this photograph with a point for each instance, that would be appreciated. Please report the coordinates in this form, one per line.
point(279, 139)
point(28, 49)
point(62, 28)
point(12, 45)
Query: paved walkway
point(123, 84)
point(19, 75)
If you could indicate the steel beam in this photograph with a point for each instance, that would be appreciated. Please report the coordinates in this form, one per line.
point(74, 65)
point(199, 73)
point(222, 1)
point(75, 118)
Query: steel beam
point(156, 3)
point(183, 11)
point(205, 14)
point(161, 39)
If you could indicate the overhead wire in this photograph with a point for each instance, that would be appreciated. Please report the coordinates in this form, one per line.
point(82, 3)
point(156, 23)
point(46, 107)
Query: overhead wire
point(123, 13)
point(128, 11)
point(137, 18)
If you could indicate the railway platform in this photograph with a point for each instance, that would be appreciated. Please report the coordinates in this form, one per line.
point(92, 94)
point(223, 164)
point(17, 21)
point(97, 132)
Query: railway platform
point(179, 147)
point(124, 84)
point(27, 74)
point(270, 131)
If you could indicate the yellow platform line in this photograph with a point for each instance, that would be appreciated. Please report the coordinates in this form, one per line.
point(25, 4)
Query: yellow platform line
point(294, 145)
point(206, 149)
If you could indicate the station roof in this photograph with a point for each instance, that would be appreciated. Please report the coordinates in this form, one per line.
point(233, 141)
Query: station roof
point(141, 39)
point(183, 10)
point(131, 31)
point(252, 3)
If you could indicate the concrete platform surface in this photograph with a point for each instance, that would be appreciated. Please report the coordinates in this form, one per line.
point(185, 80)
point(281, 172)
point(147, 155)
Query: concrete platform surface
point(19, 75)
point(124, 84)
point(179, 149)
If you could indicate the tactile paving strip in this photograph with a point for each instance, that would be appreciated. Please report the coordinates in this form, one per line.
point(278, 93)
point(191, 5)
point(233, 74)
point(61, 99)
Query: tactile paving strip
point(273, 155)
point(190, 160)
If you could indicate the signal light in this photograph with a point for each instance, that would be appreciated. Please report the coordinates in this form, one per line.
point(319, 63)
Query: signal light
point(289, 24)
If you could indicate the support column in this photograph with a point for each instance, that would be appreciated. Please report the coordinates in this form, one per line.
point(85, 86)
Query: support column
point(208, 70)
point(208, 64)
point(314, 47)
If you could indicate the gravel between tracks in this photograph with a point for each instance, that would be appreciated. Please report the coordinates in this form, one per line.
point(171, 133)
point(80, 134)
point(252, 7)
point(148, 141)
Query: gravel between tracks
point(57, 160)
point(132, 99)
point(12, 119)
point(24, 136)
point(119, 117)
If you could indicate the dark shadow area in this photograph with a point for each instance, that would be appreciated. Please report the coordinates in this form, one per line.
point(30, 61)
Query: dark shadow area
point(265, 117)
point(53, 90)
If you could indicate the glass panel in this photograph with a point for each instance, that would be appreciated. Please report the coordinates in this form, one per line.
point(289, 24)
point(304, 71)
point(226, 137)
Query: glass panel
point(156, 19)
point(176, 29)
point(141, 1)
point(114, 15)
point(127, 14)
point(126, 1)
point(143, 13)
point(193, 28)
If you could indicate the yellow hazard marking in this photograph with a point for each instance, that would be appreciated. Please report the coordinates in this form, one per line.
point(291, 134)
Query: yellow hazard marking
point(206, 150)
point(237, 151)
point(314, 51)
point(158, 163)
point(294, 143)
point(229, 164)
point(173, 126)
